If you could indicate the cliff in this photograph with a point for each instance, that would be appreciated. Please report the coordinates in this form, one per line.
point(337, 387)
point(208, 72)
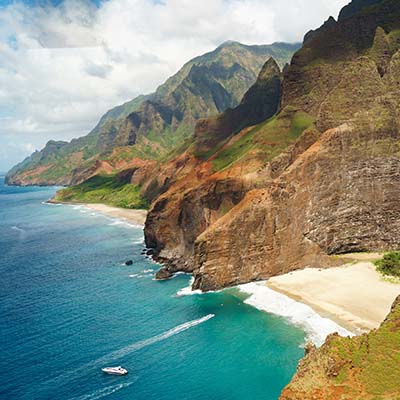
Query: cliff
point(215, 173)
point(365, 367)
point(319, 178)
point(149, 127)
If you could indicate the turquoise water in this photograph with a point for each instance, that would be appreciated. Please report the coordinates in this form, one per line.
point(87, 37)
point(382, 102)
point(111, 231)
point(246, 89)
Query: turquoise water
point(69, 306)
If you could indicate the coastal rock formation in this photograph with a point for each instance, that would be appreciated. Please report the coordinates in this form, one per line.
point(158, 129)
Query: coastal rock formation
point(339, 195)
point(319, 178)
point(163, 274)
point(364, 367)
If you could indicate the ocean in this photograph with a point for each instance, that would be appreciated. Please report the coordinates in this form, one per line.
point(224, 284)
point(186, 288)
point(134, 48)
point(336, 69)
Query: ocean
point(69, 306)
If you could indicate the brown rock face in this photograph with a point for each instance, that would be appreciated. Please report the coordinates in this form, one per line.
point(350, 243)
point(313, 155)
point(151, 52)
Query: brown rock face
point(340, 194)
point(178, 217)
point(305, 203)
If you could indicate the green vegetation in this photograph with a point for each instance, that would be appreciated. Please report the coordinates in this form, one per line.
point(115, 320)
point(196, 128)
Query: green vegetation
point(389, 264)
point(107, 189)
point(265, 141)
point(375, 358)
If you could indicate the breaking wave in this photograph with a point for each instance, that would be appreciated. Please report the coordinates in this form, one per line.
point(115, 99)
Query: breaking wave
point(302, 315)
point(21, 232)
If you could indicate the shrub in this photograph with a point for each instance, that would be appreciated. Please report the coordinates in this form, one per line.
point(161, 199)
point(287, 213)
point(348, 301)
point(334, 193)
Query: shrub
point(389, 264)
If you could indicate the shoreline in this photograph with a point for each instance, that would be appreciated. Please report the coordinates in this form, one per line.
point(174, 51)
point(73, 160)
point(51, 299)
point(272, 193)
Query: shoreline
point(133, 216)
point(355, 295)
point(295, 312)
point(352, 299)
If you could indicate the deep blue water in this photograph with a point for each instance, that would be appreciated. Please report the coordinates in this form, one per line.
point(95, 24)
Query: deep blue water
point(69, 307)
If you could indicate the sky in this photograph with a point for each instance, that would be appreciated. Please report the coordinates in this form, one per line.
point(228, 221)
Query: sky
point(64, 63)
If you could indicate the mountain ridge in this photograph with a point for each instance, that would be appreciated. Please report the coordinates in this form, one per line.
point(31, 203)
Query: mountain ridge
point(166, 116)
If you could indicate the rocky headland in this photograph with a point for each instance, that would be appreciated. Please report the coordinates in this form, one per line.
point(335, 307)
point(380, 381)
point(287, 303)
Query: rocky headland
point(318, 178)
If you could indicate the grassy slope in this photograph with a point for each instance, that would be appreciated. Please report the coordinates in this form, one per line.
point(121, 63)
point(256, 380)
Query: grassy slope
point(363, 367)
point(265, 141)
point(373, 361)
point(104, 189)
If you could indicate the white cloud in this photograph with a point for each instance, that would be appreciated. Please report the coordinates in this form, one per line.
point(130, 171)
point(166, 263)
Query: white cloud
point(62, 67)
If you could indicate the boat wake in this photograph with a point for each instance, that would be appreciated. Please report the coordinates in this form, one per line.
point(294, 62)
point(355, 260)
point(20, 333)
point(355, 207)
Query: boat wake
point(98, 394)
point(115, 355)
point(147, 342)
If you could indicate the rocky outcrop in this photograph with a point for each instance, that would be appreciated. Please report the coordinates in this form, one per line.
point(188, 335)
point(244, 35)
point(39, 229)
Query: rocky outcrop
point(176, 219)
point(363, 367)
point(163, 274)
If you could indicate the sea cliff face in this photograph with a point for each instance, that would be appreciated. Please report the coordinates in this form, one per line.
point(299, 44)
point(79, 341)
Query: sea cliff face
point(329, 187)
point(363, 367)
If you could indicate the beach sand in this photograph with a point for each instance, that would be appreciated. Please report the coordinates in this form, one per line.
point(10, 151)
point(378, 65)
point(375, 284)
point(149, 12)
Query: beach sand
point(354, 295)
point(136, 217)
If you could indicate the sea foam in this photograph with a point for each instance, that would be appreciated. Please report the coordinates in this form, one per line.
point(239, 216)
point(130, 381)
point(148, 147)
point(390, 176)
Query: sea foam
point(302, 315)
point(188, 291)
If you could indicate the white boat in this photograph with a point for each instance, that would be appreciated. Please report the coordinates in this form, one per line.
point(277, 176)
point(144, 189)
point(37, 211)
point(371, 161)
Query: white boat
point(115, 370)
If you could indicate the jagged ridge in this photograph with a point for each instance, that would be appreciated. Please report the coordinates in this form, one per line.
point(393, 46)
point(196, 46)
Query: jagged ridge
point(150, 126)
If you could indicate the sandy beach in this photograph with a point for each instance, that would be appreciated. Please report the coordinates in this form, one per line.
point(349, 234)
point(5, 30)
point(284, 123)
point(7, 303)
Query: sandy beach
point(136, 217)
point(354, 295)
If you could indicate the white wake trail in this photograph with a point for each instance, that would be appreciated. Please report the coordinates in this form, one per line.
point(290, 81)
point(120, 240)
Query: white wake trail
point(147, 342)
point(115, 355)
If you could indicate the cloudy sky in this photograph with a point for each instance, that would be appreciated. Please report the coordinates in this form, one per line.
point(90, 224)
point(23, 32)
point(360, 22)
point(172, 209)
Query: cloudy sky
point(64, 63)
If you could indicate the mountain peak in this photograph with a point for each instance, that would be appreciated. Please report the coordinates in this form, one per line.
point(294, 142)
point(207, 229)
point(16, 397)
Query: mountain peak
point(270, 68)
point(230, 43)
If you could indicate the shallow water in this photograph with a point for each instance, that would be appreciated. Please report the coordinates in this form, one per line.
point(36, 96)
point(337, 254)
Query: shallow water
point(69, 307)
